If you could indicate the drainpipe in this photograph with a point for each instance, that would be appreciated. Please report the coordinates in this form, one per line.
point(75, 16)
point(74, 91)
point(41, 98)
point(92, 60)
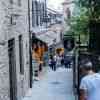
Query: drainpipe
point(30, 46)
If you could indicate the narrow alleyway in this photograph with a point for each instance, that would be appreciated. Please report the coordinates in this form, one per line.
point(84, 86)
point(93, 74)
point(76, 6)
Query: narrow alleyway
point(53, 86)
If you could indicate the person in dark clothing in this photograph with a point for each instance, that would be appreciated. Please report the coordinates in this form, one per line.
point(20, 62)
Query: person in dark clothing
point(67, 61)
point(50, 59)
point(62, 60)
point(52, 63)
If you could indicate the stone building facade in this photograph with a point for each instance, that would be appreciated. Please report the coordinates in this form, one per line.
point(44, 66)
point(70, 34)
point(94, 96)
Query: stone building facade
point(14, 49)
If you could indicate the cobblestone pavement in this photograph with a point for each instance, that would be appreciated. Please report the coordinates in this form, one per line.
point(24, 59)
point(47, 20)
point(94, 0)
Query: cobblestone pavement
point(53, 86)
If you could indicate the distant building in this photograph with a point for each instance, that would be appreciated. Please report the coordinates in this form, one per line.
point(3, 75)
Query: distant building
point(38, 13)
point(67, 12)
point(68, 39)
point(54, 17)
point(43, 20)
point(67, 4)
point(14, 49)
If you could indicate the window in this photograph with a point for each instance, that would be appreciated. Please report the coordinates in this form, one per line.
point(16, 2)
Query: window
point(43, 10)
point(11, 1)
point(37, 13)
point(12, 69)
point(21, 55)
point(33, 14)
point(41, 14)
point(19, 2)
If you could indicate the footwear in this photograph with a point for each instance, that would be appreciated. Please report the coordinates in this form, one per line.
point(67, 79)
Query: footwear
point(36, 79)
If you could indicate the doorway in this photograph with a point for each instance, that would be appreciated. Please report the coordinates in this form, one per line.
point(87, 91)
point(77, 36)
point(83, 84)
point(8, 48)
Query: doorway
point(12, 69)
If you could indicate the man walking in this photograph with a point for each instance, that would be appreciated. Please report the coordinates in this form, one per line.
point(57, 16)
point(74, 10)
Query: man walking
point(90, 83)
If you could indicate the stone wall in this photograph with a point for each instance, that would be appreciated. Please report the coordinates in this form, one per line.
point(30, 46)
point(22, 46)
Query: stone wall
point(8, 30)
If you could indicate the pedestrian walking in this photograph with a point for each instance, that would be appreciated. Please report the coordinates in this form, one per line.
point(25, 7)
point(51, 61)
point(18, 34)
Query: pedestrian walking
point(58, 61)
point(90, 83)
point(62, 60)
point(52, 63)
point(68, 58)
point(67, 61)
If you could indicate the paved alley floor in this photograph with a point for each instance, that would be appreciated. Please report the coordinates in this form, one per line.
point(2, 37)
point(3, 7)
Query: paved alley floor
point(53, 86)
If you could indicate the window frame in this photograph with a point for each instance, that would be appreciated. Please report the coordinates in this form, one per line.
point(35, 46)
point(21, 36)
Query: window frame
point(21, 58)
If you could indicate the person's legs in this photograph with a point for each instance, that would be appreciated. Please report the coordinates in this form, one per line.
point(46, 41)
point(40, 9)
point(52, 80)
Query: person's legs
point(36, 78)
point(54, 67)
point(40, 67)
point(66, 65)
point(69, 64)
point(50, 66)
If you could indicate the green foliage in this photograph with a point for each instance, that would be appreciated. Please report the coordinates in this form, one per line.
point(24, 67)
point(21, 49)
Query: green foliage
point(84, 12)
point(79, 23)
point(93, 7)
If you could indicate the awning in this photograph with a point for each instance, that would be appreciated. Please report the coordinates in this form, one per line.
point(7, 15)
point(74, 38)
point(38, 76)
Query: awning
point(48, 37)
point(45, 39)
point(51, 34)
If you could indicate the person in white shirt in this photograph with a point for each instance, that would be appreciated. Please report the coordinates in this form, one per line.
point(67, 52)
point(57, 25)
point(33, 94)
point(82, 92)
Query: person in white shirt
point(90, 83)
point(58, 61)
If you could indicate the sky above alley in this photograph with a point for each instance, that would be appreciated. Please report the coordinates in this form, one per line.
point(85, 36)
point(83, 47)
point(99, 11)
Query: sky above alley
point(55, 4)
